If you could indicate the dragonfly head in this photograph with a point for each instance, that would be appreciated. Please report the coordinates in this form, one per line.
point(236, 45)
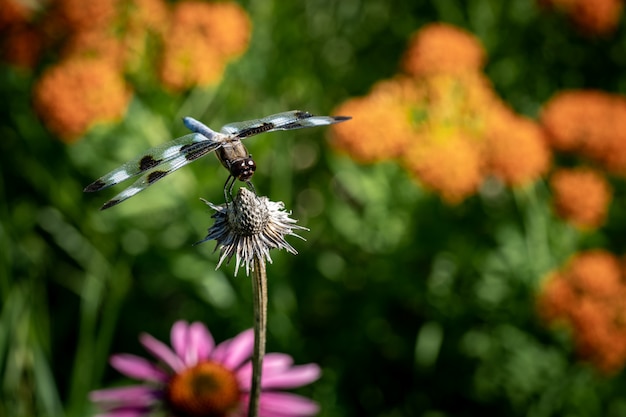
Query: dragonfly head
point(243, 169)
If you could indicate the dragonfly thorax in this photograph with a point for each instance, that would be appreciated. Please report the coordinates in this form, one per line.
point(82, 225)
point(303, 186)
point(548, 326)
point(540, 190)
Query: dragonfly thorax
point(242, 169)
point(237, 160)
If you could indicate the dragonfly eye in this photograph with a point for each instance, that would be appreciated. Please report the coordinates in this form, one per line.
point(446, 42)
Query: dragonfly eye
point(243, 169)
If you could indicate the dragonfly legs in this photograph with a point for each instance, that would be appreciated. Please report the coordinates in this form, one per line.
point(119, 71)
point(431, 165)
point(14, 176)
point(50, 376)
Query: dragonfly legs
point(251, 187)
point(230, 184)
point(228, 188)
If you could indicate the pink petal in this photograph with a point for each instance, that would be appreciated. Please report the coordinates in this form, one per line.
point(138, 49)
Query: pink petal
point(238, 349)
point(137, 367)
point(272, 363)
point(178, 335)
point(220, 351)
point(161, 351)
point(200, 344)
point(293, 377)
point(275, 361)
point(136, 395)
point(282, 404)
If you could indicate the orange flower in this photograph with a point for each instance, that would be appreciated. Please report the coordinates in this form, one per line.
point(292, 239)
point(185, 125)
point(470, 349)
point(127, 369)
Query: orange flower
point(452, 151)
point(94, 44)
point(451, 129)
point(463, 101)
point(79, 15)
point(443, 49)
point(385, 121)
point(228, 26)
point(124, 37)
point(557, 298)
point(588, 293)
point(447, 162)
point(22, 46)
point(21, 41)
point(14, 12)
point(140, 15)
point(599, 339)
point(199, 45)
point(590, 123)
point(145, 23)
point(598, 17)
point(76, 94)
point(563, 118)
point(516, 148)
point(597, 274)
point(190, 62)
point(581, 196)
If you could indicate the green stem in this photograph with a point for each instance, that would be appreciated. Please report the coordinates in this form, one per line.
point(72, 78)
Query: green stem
point(259, 289)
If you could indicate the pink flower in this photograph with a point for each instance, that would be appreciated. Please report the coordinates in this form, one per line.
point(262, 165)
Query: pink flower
point(196, 378)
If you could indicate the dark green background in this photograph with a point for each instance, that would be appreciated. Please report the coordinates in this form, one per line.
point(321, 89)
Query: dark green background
point(411, 307)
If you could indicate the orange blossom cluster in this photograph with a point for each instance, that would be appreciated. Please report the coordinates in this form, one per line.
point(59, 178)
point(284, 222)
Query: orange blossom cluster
point(98, 46)
point(588, 295)
point(581, 196)
point(20, 40)
point(202, 39)
point(590, 124)
point(591, 17)
point(443, 121)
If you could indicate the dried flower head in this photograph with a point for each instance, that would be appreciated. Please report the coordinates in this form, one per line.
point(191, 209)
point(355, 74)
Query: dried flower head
point(249, 228)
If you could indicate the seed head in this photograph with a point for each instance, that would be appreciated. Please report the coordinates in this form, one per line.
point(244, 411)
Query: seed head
point(249, 228)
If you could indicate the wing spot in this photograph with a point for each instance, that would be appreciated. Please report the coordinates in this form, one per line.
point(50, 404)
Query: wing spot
point(95, 186)
point(155, 176)
point(256, 130)
point(184, 148)
point(191, 156)
point(110, 204)
point(148, 162)
point(193, 151)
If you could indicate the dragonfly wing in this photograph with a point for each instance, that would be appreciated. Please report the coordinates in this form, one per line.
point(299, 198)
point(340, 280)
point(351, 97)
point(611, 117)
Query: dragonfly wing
point(289, 120)
point(154, 174)
point(186, 146)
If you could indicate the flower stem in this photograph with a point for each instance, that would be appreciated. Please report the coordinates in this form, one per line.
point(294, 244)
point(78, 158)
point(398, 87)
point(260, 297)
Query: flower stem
point(259, 290)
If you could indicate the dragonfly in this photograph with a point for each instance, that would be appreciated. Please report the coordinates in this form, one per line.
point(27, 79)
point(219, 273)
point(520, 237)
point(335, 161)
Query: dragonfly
point(159, 162)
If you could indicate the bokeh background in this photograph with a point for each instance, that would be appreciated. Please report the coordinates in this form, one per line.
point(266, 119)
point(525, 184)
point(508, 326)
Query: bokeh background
point(466, 227)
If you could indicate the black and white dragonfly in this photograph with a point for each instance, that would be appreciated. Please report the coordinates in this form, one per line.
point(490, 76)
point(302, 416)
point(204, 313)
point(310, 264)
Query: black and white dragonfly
point(161, 161)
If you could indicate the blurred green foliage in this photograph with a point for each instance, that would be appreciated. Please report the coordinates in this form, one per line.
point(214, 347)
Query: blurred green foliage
point(412, 307)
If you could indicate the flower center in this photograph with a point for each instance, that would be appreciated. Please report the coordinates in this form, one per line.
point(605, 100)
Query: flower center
point(205, 390)
point(249, 215)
